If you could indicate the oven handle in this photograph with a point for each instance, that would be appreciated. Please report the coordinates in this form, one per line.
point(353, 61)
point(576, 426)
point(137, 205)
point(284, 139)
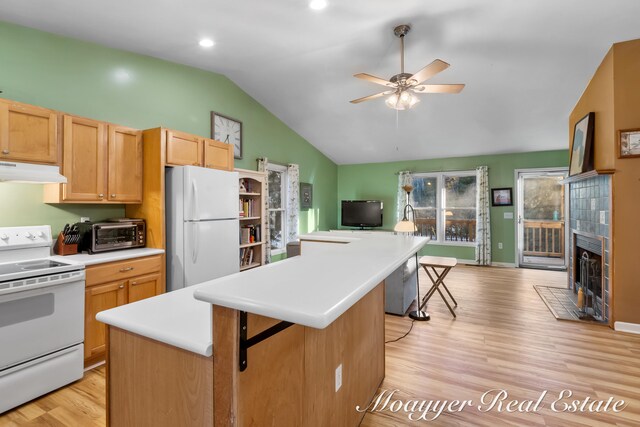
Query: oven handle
point(4, 293)
point(108, 227)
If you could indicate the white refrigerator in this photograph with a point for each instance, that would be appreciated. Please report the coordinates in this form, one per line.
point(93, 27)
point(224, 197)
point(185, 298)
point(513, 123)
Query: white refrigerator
point(202, 225)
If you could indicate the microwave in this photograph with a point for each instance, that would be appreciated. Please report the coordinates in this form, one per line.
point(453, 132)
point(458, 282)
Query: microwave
point(111, 235)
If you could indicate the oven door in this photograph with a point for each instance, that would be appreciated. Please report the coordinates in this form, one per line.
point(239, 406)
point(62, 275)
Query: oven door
point(108, 237)
point(36, 322)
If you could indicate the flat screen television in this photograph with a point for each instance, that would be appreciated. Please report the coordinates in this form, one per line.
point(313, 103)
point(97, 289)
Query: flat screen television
point(361, 213)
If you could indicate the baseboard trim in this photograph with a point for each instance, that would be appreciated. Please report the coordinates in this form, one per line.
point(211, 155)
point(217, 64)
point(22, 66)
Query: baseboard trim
point(503, 264)
point(467, 261)
point(632, 328)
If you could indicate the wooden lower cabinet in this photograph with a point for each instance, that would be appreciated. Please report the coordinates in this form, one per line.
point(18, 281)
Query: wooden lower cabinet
point(144, 287)
point(111, 285)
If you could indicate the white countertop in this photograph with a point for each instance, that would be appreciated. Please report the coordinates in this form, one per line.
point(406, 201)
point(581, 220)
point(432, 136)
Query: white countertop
point(100, 258)
point(314, 290)
point(311, 290)
point(175, 318)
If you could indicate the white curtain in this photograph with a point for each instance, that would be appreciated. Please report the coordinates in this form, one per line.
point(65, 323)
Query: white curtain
point(404, 178)
point(266, 234)
point(293, 201)
point(483, 219)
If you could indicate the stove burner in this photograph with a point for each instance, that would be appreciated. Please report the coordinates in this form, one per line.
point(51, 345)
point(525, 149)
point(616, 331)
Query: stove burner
point(39, 265)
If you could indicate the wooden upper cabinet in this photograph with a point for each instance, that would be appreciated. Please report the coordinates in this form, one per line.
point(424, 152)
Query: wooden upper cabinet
point(218, 155)
point(28, 133)
point(85, 161)
point(183, 149)
point(125, 165)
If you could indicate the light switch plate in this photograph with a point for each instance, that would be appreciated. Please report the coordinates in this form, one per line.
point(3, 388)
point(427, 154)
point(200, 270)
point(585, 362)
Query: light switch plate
point(338, 377)
point(500, 245)
point(508, 215)
point(603, 217)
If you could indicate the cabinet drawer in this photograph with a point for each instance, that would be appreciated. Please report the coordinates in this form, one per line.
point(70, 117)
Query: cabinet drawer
point(122, 269)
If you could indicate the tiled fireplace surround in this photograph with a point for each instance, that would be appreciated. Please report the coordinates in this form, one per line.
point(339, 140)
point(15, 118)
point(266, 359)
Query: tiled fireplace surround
point(587, 199)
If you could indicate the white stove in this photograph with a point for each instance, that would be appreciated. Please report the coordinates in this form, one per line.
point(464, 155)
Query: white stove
point(41, 316)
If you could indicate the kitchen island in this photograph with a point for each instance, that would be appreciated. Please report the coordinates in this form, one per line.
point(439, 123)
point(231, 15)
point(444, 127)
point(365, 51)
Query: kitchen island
point(268, 346)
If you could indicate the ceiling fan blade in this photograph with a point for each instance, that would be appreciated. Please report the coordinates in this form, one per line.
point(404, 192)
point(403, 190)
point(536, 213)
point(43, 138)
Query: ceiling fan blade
point(456, 88)
point(429, 71)
point(374, 79)
point(370, 97)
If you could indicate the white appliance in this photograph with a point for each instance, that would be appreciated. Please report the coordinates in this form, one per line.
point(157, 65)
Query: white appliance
point(29, 173)
point(202, 225)
point(41, 317)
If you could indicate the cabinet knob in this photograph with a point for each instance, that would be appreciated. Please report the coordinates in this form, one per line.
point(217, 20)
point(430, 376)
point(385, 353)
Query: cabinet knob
point(121, 286)
point(134, 283)
point(100, 196)
point(5, 151)
point(122, 270)
point(209, 165)
point(113, 196)
point(196, 164)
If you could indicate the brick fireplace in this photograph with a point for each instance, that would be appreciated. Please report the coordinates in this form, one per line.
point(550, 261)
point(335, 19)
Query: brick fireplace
point(589, 222)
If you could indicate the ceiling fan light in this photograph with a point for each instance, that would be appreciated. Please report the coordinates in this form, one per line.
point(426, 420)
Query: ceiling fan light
point(402, 101)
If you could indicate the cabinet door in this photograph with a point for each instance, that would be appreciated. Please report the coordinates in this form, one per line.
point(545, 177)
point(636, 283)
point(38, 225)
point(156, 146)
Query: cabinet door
point(97, 299)
point(28, 133)
point(144, 287)
point(183, 149)
point(85, 161)
point(218, 155)
point(125, 165)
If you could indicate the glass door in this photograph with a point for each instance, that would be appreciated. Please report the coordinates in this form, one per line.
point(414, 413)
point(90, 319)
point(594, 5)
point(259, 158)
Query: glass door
point(541, 219)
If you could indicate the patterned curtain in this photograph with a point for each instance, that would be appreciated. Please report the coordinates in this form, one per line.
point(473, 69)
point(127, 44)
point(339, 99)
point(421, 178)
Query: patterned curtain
point(483, 220)
point(404, 178)
point(266, 234)
point(293, 202)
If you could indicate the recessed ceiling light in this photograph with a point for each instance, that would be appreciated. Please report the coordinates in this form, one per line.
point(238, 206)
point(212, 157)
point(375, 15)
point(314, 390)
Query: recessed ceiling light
point(206, 43)
point(318, 4)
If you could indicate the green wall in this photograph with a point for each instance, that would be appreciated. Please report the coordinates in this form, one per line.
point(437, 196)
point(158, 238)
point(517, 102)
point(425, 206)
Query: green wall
point(378, 181)
point(143, 92)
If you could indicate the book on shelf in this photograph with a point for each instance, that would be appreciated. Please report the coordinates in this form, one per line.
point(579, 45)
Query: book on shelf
point(246, 256)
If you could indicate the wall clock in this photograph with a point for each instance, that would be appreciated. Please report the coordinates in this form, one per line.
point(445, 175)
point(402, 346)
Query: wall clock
point(227, 130)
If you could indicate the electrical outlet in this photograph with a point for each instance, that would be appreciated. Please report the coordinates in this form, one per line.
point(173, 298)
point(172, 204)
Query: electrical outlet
point(338, 377)
point(603, 217)
point(500, 245)
point(593, 204)
point(85, 219)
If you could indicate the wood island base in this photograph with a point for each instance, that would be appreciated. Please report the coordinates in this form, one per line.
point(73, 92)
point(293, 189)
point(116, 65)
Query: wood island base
point(289, 379)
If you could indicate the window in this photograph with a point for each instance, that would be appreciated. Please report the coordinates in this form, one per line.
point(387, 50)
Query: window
point(445, 206)
point(277, 176)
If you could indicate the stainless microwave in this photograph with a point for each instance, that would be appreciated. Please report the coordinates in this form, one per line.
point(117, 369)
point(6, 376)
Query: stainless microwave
point(111, 235)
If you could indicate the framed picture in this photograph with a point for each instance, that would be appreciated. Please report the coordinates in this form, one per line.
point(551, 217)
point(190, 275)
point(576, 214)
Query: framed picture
point(501, 197)
point(306, 195)
point(582, 147)
point(227, 130)
point(629, 142)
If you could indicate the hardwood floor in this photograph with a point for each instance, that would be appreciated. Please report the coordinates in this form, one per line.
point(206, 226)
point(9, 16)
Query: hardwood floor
point(504, 338)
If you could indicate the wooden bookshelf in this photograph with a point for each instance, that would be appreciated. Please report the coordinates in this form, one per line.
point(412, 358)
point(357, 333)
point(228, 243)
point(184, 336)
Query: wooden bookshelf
point(253, 223)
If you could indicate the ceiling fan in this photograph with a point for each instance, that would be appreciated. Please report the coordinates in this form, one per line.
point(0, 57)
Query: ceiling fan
point(404, 86)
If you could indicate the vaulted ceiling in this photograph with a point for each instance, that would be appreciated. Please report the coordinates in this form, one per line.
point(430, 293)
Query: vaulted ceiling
point(525, 62)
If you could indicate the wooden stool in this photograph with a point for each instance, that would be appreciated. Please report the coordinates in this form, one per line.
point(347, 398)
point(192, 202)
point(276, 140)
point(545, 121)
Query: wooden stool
point(438, 262)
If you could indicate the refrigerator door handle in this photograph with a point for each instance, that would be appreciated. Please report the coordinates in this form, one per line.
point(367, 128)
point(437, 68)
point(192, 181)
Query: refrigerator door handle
point(194, 251)
point(194, 201)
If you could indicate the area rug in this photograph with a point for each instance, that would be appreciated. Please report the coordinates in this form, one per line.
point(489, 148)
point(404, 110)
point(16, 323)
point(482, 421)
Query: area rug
point(559, 301)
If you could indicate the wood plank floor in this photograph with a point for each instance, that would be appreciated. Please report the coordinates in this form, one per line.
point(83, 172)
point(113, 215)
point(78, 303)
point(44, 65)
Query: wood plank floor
point(504, 338)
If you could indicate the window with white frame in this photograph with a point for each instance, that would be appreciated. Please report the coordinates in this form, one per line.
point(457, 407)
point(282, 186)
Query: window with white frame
point(445, 206)
point(277, 176)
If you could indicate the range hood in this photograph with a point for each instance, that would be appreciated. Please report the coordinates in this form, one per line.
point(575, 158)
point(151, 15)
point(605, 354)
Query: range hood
point(30, 173)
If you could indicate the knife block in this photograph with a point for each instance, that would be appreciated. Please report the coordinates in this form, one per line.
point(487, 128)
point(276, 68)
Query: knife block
point(60, 248)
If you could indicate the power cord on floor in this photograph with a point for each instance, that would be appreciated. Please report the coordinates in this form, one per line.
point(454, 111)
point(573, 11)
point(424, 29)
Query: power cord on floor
point(407, 333)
